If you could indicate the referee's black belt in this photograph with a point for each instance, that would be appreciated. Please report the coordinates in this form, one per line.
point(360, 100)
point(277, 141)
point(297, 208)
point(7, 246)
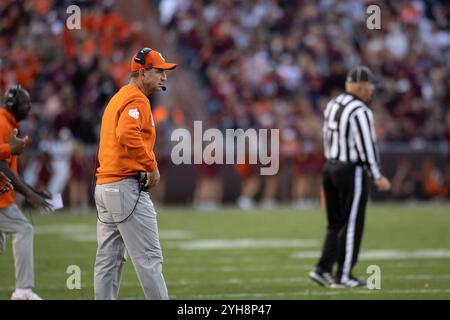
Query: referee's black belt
point(333, 161)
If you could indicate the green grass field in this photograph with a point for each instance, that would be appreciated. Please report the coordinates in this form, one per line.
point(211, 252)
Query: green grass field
point(230, 254)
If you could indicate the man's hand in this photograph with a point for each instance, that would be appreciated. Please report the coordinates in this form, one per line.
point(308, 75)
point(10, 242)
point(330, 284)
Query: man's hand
point(38, 199)
point(383, 184)
point(5, 184)
point(152, 179)
point(17, 145)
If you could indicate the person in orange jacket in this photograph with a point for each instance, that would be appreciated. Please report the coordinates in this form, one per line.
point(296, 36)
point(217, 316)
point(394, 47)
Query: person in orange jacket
point(127, 170)
point(15, 146)
point(12, 220)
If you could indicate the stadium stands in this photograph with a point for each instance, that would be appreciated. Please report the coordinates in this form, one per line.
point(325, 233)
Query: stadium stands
point(263, 63)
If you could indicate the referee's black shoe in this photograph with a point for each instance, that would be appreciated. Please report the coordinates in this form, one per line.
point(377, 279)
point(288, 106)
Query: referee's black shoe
point(325, 279)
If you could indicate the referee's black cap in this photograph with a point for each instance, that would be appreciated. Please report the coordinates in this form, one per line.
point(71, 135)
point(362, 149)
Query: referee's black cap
point(361, 73)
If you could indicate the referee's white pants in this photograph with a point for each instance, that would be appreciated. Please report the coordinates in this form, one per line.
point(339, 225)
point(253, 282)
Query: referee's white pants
point(138, 234)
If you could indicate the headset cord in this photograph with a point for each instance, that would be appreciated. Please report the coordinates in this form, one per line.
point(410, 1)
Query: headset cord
point(141, 188)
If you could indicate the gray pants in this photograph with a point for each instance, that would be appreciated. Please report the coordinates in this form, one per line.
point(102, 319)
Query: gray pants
point(14, 223)
point(138, 235)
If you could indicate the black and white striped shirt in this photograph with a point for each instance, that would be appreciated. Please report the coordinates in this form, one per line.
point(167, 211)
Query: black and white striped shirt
point(349, 134)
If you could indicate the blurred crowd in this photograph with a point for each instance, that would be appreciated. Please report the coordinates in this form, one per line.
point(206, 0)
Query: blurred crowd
point(428, 182)
point(275, 64)
point(273, 61)
point(70, 74)
point(262, 64)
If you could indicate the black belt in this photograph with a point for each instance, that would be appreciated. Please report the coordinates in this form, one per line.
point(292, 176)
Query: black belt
point(332, 161)
point(337, 161)
point(142, 181)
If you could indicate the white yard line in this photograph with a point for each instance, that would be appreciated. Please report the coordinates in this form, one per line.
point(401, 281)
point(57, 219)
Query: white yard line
point(309, 293)
point(87, 232)
point(188, 269)
point(64, 229)
point(388, 254)
point(305, 279)
point(209, 244)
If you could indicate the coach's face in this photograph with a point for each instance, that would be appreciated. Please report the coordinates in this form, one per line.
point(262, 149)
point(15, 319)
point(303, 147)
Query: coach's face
point(153, 79)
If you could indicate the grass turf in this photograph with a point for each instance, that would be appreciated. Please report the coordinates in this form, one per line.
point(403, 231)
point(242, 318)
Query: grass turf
point(231, 254)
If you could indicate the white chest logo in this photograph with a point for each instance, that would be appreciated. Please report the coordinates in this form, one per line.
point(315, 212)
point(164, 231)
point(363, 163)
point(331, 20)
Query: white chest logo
point(134, 113)
point(151, 118)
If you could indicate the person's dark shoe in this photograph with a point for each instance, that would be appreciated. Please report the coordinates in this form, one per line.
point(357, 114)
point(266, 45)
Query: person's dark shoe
point(324, 279)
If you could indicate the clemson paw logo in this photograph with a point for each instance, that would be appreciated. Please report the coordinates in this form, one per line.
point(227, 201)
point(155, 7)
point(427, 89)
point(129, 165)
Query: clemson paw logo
point(134, 113)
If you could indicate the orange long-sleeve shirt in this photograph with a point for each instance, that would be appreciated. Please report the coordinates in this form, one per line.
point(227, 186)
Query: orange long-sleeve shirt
point(5, 151)
point(127, 136)
point(7, 125)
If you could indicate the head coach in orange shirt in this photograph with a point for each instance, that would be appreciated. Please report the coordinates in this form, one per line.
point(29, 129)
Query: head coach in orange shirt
point(127, 169)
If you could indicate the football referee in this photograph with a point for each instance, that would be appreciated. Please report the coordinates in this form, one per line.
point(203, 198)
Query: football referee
point(352, 158)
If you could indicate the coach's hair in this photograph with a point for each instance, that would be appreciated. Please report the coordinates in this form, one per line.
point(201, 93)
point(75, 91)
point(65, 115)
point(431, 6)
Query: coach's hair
point(135, 74)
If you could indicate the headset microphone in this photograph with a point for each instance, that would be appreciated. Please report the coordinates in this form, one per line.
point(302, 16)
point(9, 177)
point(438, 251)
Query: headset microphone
point(163, 88)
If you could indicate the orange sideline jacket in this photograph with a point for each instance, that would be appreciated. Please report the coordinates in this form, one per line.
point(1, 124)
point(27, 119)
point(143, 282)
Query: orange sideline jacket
point(5, 151)
point(7, 125)
point(127, 136)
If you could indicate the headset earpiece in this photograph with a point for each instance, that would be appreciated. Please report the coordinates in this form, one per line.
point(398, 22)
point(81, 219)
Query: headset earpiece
point(140, 57)
point(11, 96)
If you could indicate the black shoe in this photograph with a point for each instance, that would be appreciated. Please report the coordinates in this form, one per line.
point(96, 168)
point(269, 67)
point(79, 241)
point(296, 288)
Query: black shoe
point(352, 282)
point(322, 278)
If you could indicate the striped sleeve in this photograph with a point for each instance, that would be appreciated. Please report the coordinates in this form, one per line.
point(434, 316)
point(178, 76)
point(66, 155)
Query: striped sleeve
point(325, 133)
point(366, 142)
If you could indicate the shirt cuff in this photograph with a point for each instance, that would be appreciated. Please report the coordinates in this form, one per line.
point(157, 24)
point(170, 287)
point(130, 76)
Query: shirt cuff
point(5, 151)
point(376, 174)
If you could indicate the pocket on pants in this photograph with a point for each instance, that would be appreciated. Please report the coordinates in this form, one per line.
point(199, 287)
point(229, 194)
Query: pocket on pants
point(113, 200)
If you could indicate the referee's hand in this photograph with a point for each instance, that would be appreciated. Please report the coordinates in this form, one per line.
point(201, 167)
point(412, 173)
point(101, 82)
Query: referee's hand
point(383, 184)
